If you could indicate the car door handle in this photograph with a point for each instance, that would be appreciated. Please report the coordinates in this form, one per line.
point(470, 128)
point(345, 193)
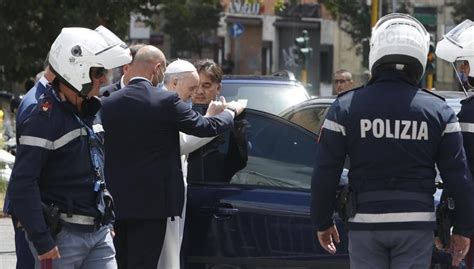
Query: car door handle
point(225, 212)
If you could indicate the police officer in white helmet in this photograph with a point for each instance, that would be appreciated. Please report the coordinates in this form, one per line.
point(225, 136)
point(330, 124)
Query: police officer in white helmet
point(57, 188)
point(395, 135)
point(457, 47)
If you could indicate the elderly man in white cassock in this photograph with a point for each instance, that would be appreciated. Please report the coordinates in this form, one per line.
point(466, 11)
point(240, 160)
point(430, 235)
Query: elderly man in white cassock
point(182, 77)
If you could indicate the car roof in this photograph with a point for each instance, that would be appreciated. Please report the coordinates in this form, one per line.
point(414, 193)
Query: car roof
point(451, 94)
point(264, 79)
point(311, 102)
point(453, 99)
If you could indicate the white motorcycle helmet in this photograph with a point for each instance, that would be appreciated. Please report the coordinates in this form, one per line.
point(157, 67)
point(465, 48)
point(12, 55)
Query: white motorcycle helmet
point(458, 45)
point(401, 40)
point(76, 50)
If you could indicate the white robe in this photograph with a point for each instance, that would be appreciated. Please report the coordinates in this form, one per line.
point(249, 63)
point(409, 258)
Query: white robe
point(170, 253)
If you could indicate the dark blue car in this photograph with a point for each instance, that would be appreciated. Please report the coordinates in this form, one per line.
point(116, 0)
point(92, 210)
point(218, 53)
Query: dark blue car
point(261, 218)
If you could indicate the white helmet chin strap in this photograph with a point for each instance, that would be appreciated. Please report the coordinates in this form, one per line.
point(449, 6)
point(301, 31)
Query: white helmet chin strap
point(459, 79)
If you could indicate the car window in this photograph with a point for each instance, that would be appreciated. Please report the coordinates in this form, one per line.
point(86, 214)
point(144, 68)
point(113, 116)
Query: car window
point(310, 118)
point(279, 153)
point(270, 98)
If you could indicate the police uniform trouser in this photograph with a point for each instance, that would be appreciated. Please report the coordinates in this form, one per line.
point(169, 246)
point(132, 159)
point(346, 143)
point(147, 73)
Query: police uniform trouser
point(82, 250)
point(138, 242)
point(406, 249)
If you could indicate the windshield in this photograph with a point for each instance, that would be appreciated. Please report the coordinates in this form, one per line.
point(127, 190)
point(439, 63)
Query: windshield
point(270, 98)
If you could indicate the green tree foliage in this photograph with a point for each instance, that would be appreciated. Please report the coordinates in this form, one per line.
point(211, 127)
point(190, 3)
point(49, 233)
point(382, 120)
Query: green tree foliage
point(191, 25)
point(463, 9)
point(28, 28)
point(354, 18)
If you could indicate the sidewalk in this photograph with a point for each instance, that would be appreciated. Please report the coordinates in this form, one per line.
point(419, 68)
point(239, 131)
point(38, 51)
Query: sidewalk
point(7, 244)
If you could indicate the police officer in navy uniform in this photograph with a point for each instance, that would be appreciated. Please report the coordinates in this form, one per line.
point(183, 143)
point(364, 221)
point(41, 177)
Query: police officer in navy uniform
point(395, 135)
point(458, 46)
point(59, 162)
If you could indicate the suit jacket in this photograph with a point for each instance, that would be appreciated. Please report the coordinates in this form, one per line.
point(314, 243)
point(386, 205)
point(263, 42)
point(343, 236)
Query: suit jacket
point(142, 164)
point(221, 158)
point(107, 90)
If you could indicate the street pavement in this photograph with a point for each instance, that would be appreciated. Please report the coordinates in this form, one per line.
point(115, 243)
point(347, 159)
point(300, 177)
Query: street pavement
point(7, 244)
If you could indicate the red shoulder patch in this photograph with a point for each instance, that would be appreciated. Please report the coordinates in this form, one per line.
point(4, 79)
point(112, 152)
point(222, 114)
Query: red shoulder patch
point(46, 105)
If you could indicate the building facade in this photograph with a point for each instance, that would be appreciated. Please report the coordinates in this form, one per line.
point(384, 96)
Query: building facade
point(258, 37)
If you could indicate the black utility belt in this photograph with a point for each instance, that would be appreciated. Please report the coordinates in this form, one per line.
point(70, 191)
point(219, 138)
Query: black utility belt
point(380, 196)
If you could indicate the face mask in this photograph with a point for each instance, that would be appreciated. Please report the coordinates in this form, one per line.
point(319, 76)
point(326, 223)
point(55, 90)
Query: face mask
point(160, 81)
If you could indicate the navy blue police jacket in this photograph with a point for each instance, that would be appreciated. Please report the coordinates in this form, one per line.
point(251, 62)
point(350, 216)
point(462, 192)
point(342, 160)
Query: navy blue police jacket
point(52, 165)
point(394, 135)
point(142, 164)
point(29, 101)
point(466, 121)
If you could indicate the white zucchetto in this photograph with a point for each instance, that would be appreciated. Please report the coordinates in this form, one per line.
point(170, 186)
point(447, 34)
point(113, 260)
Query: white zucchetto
point(180, 66)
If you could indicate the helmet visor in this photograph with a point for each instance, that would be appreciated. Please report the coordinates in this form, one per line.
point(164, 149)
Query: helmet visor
point(452, 46)
point(110, 38)
point(114, 55)
point(455, 34)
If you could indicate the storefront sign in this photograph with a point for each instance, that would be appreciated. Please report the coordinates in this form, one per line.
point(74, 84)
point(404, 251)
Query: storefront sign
point(244, 7)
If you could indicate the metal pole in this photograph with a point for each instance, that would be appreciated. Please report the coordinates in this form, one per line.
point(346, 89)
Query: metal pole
point(429, 81)
point(304, 76)
point(394, 6)
point(380, 3)
point(237, 56)
point(374, 16)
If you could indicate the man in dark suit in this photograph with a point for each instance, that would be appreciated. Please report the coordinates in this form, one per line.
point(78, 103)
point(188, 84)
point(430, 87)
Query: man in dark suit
point(107, 90)
point(224, 156)
point(143, 166)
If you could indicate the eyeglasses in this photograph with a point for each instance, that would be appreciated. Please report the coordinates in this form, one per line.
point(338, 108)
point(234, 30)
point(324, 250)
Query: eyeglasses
point(98, 72)
point(337, 81)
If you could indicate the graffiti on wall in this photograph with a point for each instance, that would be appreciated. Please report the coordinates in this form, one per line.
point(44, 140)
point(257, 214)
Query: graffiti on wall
point(290, 57)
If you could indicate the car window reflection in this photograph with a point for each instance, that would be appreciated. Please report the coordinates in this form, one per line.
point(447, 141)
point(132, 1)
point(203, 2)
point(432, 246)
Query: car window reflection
point(311, 118)
point(271, 98)
point(279, 154)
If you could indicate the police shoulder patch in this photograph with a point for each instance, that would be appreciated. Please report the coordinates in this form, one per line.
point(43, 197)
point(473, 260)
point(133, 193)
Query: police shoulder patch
point(353, 89)
point(45, 105)
point(467, 100)
point(432, 93)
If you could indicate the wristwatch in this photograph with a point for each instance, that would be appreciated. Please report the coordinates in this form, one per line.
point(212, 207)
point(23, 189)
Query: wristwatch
point(232, 109)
